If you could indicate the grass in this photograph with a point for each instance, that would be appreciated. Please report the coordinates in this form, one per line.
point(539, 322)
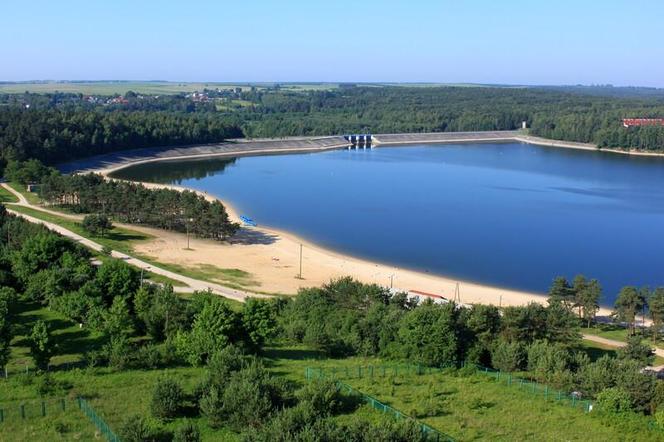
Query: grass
point(479, 407)
point(466, 406)
point(143, 87)
point(6, 196)
point(123, 240)
point(32, 197)
point(232, 278)
point(595, 350)
point(72, 341)
point(620, 333)
point(118, 238)
point(57, 425)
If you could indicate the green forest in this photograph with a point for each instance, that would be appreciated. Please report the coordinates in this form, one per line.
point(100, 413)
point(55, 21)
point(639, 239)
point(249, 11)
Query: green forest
point(215, 361)
point(57, 127)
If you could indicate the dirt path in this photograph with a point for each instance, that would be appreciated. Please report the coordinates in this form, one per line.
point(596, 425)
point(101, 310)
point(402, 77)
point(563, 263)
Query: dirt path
point(194, 284)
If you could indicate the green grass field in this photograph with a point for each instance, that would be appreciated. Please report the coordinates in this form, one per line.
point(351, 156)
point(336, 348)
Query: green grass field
point(479, 407)
point(32, 198)
point(118, 238)
point(144, 87)
point(6, 196)
point(466, 406)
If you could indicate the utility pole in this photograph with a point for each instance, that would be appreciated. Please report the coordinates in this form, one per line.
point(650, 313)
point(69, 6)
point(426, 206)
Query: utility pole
point(457, 294)
point(392, 280)
point(299, 276)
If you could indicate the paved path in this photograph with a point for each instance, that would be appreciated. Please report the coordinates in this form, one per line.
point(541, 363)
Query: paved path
point(194, 284)
point(615, 344)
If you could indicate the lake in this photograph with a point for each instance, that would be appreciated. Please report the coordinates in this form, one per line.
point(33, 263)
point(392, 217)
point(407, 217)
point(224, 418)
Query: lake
point(507, 214)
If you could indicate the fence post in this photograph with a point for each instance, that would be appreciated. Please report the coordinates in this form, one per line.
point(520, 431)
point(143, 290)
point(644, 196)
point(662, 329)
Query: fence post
point(2, 415)
point(43, 408)
point(62, 403)
point(22, 411)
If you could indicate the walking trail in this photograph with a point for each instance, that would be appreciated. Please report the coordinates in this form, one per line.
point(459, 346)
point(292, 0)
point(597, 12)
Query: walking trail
point(194, 284)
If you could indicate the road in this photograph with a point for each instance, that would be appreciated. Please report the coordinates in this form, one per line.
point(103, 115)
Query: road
point(194, 284)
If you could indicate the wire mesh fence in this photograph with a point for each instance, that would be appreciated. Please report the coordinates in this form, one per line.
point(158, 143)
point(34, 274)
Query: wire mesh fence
point(7, 372)
point(52, 408)
point(34, 409)
point(572, 399)
point(430, 433)
point(101, 425)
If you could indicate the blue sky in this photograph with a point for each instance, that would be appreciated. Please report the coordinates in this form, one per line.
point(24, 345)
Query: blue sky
point(480, 41)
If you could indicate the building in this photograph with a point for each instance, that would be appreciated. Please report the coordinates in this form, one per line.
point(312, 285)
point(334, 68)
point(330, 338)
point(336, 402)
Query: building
point(638, 122)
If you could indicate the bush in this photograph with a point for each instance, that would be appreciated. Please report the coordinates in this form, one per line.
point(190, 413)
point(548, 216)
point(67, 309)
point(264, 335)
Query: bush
point(134, 429)
point(188, 432)
point(324, 397)
point(47, 386)
point(147, 357)
point(613, 400)
point(249, 397)
point(118, 352)
point(167, 399)
point(507, 356)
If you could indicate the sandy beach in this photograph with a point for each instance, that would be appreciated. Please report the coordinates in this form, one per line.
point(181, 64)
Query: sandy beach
point(272, 257)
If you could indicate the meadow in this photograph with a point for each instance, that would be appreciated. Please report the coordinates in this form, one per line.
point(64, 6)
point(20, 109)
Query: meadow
point(143, 87)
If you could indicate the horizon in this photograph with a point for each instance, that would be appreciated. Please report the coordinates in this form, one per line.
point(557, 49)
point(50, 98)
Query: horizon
point(313, 82)
point(511, 43)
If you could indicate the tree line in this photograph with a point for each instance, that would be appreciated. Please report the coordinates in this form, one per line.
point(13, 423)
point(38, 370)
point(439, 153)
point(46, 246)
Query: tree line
point(127, 202)
point(347, 318)
point(55, 135)
point(60, 127)
point(39, 267)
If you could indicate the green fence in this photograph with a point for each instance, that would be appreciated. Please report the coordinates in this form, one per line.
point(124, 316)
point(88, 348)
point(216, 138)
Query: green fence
point(98, 421)
point(431, 433)
point(33, 409)
point(537, 389)
point(526, 385)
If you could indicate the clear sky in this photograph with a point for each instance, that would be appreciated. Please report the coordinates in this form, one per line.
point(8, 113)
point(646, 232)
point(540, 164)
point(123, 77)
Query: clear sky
point(480, 41)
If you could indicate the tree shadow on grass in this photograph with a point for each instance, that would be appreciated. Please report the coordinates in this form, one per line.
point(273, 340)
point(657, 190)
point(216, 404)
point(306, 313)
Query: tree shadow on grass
point(122, 236)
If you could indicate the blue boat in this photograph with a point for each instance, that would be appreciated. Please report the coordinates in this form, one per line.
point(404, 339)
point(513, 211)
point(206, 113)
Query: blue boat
point(248, 221)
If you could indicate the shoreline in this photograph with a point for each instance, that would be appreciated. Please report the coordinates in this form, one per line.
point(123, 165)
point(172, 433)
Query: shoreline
point(330, 263)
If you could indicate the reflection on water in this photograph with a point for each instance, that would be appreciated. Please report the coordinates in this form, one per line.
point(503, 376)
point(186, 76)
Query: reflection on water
point(174, 172)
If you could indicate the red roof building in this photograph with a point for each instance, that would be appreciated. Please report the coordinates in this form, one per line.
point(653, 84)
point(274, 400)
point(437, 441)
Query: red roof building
point(631, 122)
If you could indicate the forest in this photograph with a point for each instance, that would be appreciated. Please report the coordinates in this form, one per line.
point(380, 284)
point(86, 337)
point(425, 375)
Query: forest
point(143, 326)
point(59, 127)
point(127, 202)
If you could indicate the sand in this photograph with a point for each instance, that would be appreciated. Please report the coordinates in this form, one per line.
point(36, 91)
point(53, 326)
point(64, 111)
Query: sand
point(272, 257)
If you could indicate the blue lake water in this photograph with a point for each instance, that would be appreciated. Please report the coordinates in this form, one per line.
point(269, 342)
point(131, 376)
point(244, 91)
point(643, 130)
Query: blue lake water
point(509, 214)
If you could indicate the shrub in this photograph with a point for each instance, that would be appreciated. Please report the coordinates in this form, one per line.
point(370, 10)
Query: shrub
point(507, 356)
point(134, 429)
point(148, 357)
point(47, 386)
point(324, 397)
point(188, 432)
point(212, 406)
point(167, 399)
point(118, 352)
point(613, 400)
